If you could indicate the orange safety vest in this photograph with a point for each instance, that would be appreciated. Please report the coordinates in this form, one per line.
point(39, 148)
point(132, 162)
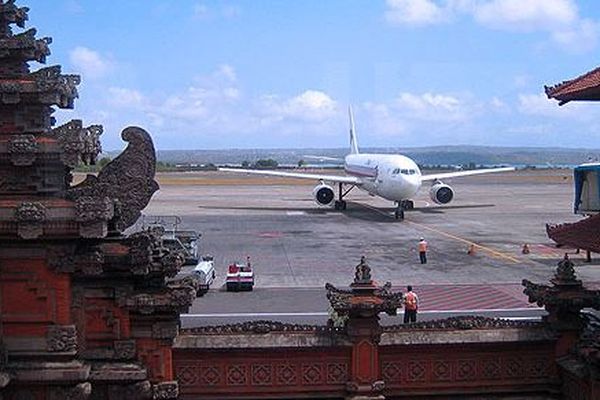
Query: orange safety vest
point(422, 246)
point(410, 301)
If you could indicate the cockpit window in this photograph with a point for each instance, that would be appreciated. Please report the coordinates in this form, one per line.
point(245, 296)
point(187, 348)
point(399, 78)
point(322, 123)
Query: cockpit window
point(412, 171)
point(396, 171)
point(404, 172)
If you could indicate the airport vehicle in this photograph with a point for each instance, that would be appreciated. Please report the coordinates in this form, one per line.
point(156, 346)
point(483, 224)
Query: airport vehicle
point(174, 238)
point(239, 277)
point(587, 188)
point(205, 274)
point(393, 177)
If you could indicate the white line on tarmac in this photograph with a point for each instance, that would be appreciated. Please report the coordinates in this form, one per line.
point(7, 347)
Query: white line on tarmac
point(318, 313)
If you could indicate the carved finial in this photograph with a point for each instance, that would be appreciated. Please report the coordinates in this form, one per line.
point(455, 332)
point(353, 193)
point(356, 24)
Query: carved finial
point(11, 14)
point(565, 271)
point(363, 272)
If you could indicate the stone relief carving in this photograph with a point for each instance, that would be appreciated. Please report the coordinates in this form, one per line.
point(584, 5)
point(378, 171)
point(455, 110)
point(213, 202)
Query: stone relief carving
point(30, 217)
point(22, 149)
point(128, 180)
point(78, 144)
point(61, 338)
point(165, 391)
point(124, 349)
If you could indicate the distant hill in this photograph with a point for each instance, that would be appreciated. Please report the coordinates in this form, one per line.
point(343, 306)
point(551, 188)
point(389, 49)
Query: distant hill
point(435, 155)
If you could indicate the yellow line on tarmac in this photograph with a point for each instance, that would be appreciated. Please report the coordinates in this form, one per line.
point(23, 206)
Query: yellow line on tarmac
point(449, 235)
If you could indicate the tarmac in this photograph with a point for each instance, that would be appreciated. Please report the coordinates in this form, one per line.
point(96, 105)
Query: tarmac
point(296, 246)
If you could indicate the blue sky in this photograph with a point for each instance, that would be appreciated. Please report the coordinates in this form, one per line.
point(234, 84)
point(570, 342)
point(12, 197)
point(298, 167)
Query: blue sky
point(244, 74)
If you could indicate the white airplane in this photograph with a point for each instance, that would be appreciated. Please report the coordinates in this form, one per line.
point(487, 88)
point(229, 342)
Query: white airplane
point(391, 176)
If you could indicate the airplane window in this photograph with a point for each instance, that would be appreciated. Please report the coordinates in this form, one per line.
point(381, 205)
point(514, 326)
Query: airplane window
point(404, 172)
point(396, 171)
point(412, 171)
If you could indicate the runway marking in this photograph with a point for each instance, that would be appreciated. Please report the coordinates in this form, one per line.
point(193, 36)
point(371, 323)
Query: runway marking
point(319, 313)
point(451, 236)
point(294, 213)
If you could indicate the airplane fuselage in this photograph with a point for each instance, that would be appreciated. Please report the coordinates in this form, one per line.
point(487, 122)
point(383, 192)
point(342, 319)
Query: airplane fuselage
point(391, 176)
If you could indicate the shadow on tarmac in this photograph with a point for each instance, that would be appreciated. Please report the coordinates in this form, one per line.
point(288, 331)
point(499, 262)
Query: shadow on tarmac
point(356, 210)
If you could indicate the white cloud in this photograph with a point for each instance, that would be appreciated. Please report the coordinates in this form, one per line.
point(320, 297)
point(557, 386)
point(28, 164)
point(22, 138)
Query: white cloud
point(537, 104)
point(559, 18)
point(90, 63)
point(579, 38)
point(429, 106)
point(526, 15)
point(227, 11)
point(540, 105)
point(413, 12)
point(127, 98)
point(311, 105)
point(498, 105)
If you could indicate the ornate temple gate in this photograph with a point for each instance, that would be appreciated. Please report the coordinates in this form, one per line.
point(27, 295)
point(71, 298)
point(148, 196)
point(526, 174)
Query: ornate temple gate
point(85, 312)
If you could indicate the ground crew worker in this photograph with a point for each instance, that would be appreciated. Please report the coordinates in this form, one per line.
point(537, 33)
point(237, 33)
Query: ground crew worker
point(423, 251)
point(411, 305)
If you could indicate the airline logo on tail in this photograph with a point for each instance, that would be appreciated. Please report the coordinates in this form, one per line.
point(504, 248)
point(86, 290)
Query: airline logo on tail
point(353, 142)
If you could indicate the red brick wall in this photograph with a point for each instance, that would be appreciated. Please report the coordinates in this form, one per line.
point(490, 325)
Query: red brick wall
point(316, 372)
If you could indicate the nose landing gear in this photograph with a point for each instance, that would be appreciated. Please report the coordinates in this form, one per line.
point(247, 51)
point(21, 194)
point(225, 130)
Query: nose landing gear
point(401, 206)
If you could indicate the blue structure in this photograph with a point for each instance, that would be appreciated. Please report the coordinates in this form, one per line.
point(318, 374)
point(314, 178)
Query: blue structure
point(587, 188)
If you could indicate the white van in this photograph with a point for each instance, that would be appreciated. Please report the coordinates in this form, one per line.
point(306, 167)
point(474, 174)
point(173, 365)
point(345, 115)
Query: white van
point(205, 272)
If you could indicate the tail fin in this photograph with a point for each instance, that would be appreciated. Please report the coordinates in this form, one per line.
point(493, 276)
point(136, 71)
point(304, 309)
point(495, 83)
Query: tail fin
point(353, 142)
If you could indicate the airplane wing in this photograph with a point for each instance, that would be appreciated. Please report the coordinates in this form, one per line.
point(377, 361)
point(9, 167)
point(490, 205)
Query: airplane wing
point(323, 158)
point(445, 175)
point(317, 177)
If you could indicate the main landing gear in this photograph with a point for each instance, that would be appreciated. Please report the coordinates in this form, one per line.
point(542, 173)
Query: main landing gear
point(401, 207)
point(340, 203)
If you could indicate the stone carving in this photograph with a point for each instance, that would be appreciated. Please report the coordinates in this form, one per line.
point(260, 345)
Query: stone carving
point(565, 299)
point(378, 299)
point(565, 273)
point(128, 180)
point(56, 88)
point(124, 349)
point(31, 212)
point(88, 260)
point(78, 392)
point(261, 326)
point(466, 322)
point(93, 214)
point(78, 144)
point(588, 347)
point(363, 272)
point(30, 217)
point(165, 391)
point(181, 296)
point(175, 298)
point(22, 149)
point(61, 338)
point(165, 330)
point(11, 14)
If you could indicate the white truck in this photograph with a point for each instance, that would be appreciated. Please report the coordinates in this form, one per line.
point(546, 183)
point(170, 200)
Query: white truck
point(205, 273)
point(239, 277)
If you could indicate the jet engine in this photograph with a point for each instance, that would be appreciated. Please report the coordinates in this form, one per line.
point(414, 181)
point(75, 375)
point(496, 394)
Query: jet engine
point(323, 194)
point(441, 193)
